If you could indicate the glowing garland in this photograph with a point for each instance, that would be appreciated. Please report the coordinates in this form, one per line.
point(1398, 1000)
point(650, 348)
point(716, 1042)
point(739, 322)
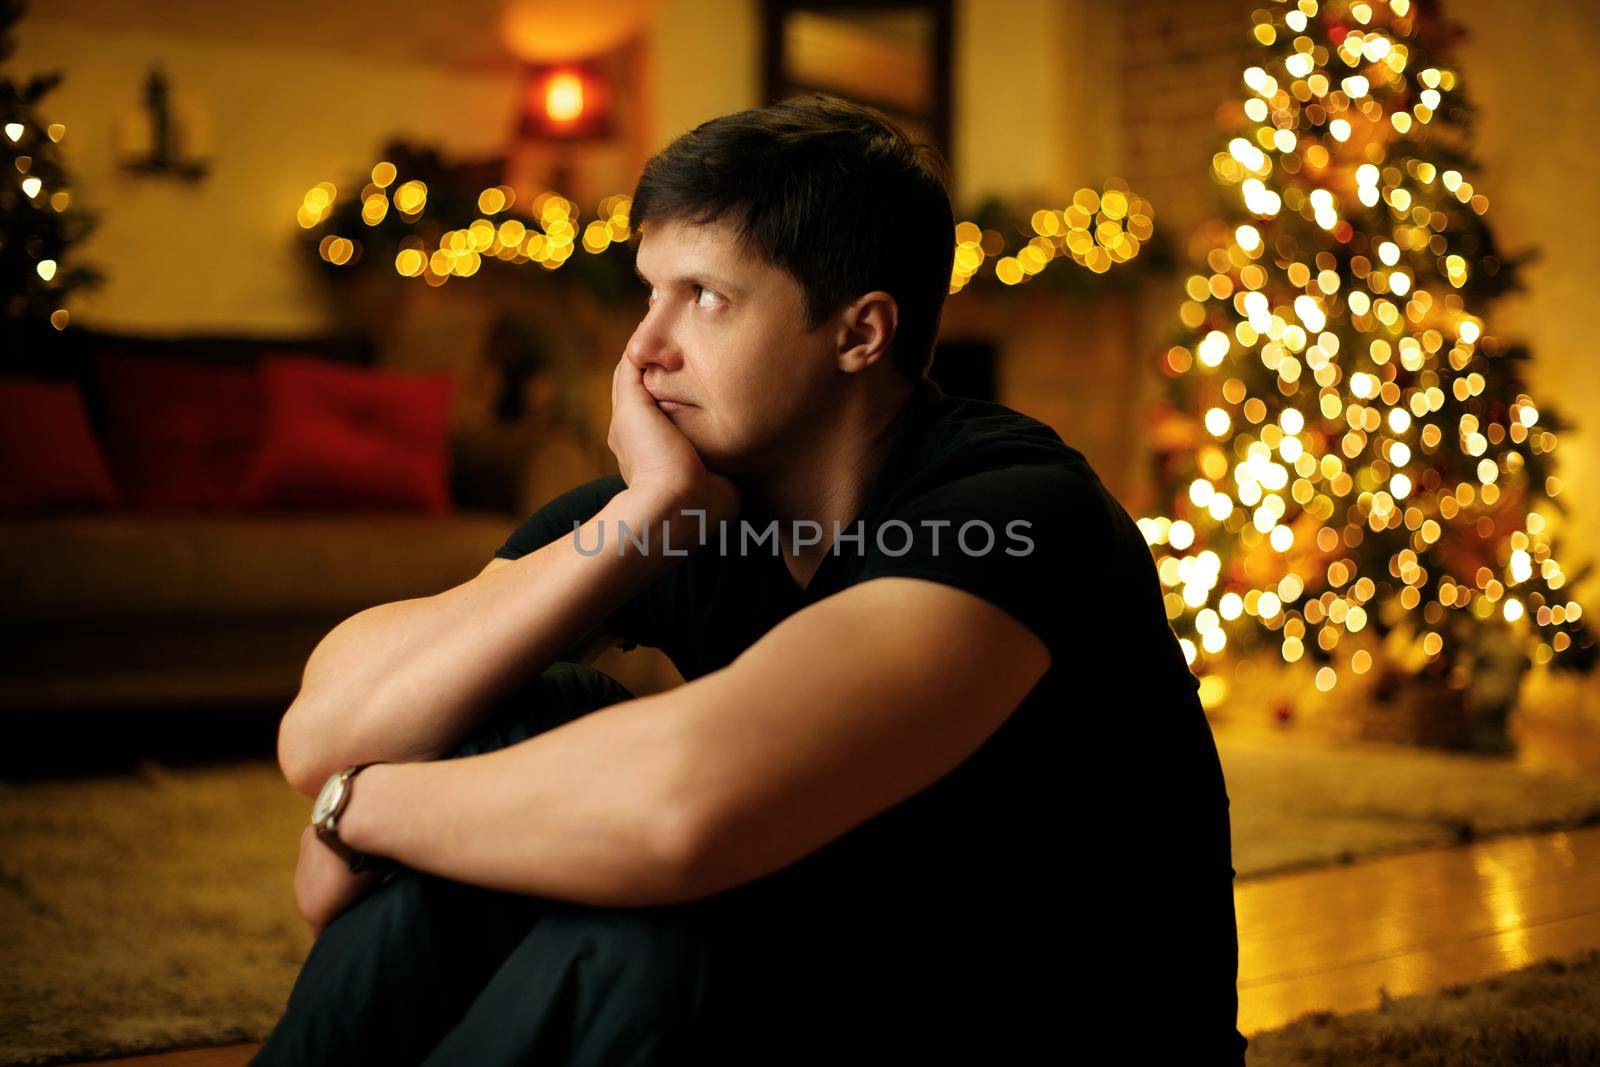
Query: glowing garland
point(1097, 230)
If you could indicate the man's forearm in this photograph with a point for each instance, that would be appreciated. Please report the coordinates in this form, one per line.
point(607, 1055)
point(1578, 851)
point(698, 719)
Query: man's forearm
point(583, 812)
point(409, 681)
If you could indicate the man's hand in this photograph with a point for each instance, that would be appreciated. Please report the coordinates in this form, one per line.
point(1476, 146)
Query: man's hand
point(654, 456)
point(323, 884)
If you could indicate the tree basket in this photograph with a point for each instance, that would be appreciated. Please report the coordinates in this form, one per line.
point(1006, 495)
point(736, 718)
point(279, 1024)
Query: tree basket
point(1418, 709)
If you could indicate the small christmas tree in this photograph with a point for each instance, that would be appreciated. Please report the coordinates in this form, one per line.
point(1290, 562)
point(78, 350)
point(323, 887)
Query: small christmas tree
point(1357, 473)
point(39, 224)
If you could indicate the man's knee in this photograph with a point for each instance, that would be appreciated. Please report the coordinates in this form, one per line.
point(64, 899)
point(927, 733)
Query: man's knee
point(621, 937)
point(661, 956)
point(561, 693)
point(411, 905)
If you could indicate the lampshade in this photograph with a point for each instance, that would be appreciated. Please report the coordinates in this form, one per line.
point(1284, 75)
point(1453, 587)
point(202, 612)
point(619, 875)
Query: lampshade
point(542, 32)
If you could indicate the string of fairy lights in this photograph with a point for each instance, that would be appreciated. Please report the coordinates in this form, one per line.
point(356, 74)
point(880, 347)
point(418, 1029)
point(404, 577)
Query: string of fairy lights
point(1368, 420)
point(1098, 229)
point(548, 235)
point(33, 188)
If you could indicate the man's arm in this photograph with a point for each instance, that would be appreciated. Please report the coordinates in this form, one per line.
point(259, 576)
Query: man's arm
point(411, 679)
point(838, 713)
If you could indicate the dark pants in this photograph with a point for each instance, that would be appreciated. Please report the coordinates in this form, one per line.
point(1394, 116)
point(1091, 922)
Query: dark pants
point(428, 970)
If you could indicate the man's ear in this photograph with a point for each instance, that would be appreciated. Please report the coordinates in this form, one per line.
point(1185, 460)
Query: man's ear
point(866, 330)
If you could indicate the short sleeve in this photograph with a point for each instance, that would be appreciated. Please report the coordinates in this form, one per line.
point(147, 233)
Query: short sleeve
point(555, 519)
point(1024, 538)
point(632, 621)
point(1049, 545)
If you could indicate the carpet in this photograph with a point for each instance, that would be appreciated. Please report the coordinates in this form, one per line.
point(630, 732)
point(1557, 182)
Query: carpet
point(147, 911)
point(1300, 802)
point(154, 909)
point(1548, 1013)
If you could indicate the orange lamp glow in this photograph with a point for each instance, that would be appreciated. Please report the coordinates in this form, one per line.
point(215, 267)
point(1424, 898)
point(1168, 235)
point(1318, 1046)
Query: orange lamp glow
point(563, 97)
point(566, 102)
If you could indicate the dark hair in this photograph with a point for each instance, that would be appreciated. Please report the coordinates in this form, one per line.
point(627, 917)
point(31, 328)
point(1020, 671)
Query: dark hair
point(834, 193)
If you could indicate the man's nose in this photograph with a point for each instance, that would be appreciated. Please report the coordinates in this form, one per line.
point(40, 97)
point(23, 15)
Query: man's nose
point(652, 343)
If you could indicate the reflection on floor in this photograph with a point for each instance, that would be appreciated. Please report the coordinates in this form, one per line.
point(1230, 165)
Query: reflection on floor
point(1328, 939)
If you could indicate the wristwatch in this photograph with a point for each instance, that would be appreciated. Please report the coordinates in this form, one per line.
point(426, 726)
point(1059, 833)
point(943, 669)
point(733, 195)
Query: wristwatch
point(325, 812)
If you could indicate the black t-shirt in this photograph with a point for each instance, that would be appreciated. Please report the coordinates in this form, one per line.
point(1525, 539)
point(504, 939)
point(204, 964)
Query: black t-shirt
point(1055, 831)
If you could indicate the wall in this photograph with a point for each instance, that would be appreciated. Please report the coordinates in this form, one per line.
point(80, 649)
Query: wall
point(1036, 108)
point(223, 254)
point(705, 58)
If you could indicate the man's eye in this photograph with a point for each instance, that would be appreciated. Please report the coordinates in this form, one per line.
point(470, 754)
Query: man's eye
point(702, 291)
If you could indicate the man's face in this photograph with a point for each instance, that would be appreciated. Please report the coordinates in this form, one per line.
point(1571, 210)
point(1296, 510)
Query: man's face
point(725, 335)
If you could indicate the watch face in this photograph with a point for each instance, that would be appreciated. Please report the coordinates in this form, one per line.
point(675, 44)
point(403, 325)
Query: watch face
point(328, 800)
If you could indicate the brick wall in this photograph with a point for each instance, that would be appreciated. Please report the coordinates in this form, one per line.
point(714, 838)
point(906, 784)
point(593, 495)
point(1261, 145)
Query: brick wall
point(1181, 62)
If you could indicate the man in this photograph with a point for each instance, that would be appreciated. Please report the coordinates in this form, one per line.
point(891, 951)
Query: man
point(938, 786)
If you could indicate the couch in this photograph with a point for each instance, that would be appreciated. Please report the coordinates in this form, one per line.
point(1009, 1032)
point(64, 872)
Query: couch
point(107, 607)
point(112, 611)
point(111, 608)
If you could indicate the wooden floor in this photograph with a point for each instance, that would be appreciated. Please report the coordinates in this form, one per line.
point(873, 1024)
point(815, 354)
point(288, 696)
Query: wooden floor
point(1327, 939)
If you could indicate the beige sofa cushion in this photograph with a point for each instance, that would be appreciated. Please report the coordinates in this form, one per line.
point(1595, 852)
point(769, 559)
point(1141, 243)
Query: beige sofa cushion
point(116, 567)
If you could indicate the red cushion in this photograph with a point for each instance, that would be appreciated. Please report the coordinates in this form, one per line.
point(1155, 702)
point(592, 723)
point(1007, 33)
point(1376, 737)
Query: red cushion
point(49, 457)
point(341, 437)
point(182, 435)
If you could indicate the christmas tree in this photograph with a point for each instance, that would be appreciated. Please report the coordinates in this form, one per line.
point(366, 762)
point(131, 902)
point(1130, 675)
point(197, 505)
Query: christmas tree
point(39, 224)
point(1353, 469)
